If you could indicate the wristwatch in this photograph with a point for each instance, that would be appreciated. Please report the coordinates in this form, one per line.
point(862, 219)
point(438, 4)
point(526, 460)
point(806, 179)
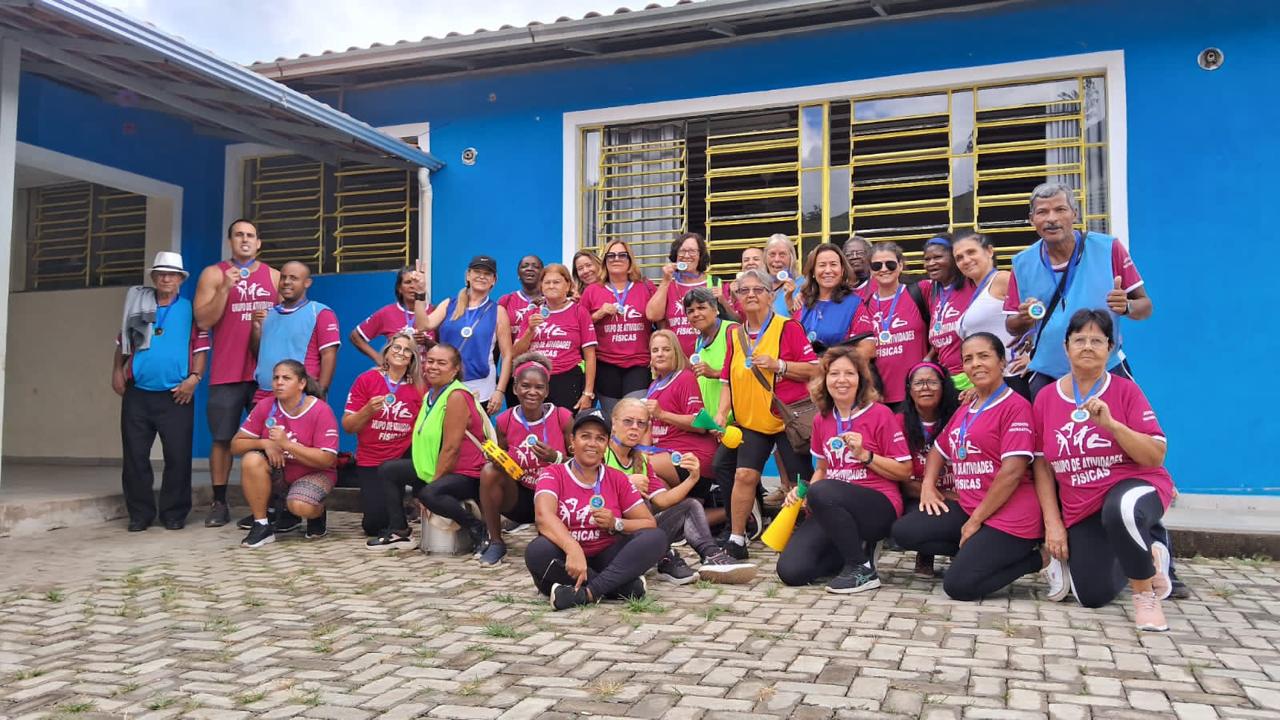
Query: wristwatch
point(195, 375)
point(419, 296)
point(588, 395)
point(617, 525)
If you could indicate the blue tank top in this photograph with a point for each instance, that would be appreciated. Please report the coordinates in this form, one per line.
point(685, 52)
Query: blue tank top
point(475, 346)
point(828, 322)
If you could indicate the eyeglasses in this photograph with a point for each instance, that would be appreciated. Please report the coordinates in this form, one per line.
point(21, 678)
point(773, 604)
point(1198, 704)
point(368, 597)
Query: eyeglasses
point(617, 256)
point(925, 384)
point(889, 265)
point(633, 422)
point(400, 350)
point(1083, 341)
point(851, 254)
point(753, 290)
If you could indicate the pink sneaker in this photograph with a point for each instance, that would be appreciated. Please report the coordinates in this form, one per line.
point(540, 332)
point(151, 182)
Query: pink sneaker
point(1160, 582)
point(1147, 614)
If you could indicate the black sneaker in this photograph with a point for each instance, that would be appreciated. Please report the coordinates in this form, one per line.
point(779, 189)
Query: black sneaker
point(735, 550)
point(318, 527)
point(872, 551)
point(246, 522)
point(674, 570)
point(389, 540)
point(287, 522)
point(755, 522)
point(479, 538)
point(1179, 590)
point(219, 515)
point(720, 568)
point(854, 580)
point(633, 590)
point(259, 535)
point(493, 554)
point(564, 597)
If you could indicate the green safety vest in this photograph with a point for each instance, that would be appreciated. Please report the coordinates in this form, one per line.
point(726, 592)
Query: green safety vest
point(428, 431)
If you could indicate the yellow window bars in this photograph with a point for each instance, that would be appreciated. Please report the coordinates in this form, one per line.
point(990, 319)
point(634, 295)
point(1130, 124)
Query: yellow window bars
point(336, 219)
point(900, 167)
point(85, 235)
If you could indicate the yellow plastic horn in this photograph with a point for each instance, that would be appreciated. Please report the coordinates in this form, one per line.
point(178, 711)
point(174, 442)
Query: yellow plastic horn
point(732, 437)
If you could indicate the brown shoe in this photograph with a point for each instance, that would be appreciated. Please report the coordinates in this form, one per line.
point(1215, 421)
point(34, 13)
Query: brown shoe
point(924, 567)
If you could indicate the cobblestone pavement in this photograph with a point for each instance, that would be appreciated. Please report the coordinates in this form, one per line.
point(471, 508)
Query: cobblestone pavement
point(95, 622)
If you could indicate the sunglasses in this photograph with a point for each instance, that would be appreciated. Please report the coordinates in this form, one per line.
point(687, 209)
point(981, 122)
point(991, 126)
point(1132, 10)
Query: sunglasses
point(617, 256)
point(889, 265)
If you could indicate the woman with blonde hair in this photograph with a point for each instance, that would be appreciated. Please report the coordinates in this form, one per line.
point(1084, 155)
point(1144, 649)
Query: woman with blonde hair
point(473, 323)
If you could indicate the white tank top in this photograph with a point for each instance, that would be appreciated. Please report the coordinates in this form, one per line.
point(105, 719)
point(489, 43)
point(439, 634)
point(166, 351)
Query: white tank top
point(986, 314)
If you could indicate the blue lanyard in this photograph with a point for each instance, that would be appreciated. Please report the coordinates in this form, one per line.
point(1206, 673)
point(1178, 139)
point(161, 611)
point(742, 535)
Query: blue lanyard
point(244, 269)
point(943, 298)
point(1075, 390)
point(969, 419)
point(620, 297)
point(893, 309)
point(476, 313)
point(1076, 252)
point(659, 385)
point(392, 388)
point(842, 425)
point(161, 317)
point(599, 475)
point(809, 312)
point(276, 409)
point(750, 349)
point(429, 402)
point(287, 311)
point(983, 285)
point(700, 344)
point(408, 318)
point(518, 413)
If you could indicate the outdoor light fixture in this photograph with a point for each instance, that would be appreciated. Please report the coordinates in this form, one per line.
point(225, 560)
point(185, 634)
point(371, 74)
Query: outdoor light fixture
point(1210, 58)
point(469, 156)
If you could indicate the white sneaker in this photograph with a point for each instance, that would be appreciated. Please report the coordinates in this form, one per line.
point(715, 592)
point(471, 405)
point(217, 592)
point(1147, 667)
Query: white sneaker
point(1058, 577)
point(1161, 583)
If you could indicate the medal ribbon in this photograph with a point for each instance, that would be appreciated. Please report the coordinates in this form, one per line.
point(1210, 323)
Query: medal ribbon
point(1070, 270)
point(983, 285)
point(161, 317)
point(466, 318)
point(750, 349)
point(392, 388)
point(943, 299)
point(599, 475)
point(276, 409)
point(701, 343)
point(659, 385)
point(620, 297)
point(893, 309)
point(971, 417)
point(518, 413)
point(1075, 390)
point(286, 310)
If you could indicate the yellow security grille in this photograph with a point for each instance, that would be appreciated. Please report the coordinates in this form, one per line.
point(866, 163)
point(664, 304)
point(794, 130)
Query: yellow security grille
point(85, 235)
point(350, 218)
point(901, 167)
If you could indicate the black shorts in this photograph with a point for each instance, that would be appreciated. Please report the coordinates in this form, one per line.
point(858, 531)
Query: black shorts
point(522, 512)
point(756, 448)
point(226, 407)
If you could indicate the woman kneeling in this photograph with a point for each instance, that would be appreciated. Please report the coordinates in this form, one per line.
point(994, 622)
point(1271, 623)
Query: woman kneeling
point(854, 497)
point(596, 537)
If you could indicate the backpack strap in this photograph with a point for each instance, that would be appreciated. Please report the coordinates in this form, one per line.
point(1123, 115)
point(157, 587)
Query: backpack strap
point(914, 291)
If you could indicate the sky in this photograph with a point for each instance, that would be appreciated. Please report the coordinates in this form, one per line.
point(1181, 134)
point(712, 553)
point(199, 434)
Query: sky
point(250, 30)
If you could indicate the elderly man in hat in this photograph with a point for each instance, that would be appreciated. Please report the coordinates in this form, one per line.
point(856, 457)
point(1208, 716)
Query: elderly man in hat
point(159, 359)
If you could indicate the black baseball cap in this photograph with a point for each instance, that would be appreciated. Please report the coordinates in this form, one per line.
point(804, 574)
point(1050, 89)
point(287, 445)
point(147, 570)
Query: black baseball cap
point(592, 415)
point(483, 262)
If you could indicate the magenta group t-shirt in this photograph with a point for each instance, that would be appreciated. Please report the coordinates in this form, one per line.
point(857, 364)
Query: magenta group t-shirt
point(313, 427)
point(946, 306)
point(1001, 432)
point(573, 502)
point(563, 336)
point(624, 336)
point(681, 395)
point(230, 361)
point(793, 347)
point(907, 343)
point(1086, 459)
point(548, 429)
point(881, 434)
point(677, 321)
point(518, 305)
point(389, 432)
point(389, 320)
point(946, 481)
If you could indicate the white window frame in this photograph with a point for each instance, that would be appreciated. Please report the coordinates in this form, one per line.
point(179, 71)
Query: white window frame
point(1108, 63)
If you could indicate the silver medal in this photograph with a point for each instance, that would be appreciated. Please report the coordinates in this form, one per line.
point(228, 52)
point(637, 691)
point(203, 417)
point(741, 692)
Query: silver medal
point(885, 336)
point(1036, 311)
point(466, 332)
point(1080, 415)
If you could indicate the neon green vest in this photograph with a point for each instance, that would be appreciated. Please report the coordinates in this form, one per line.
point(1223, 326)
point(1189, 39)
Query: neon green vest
point(428, 431)
point(713, 355)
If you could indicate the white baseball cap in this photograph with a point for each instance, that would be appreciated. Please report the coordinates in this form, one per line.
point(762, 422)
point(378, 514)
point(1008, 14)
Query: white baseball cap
point(168, 262)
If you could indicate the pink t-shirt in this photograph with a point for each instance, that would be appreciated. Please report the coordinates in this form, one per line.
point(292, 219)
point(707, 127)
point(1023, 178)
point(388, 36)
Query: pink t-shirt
point(946, 307)
point(314, 427)
point(1002, 431)
point(946, 481)
point(624, 336)
point(548, 429)
point(388, 433)
point(1121, 266)
point(573, 502)
point(389, 320)
point(562, 337)
point(1086, 459)
point(325, 334)
point(231, 361)
point(470, 460)
point(517, 305)
point(881, 434)
point(907, 344)
point(681, 396)
point(793, 346)
point(676, 320)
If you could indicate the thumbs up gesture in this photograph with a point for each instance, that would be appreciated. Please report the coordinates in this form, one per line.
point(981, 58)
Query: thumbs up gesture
point(1118, 299)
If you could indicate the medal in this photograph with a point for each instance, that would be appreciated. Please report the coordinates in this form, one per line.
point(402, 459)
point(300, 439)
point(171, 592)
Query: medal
point(244, 273)
point(1080, 415)
point(961, 453)
point(695, 358)
point(159, 331)
point(545, 311)
point(466, 332)
point(746, 363)
point(970, 417)
point(392, 388)
point(886, 323)
point(885, 336)
point(835, 444)
point(676, 458)
point(937, 328)
point(597, 501)
point(750, 350)
point(390, 399)
point(531, 440)
point(1037, 310)
point(271, 422)
point(812, 336)
point(783, 276)
point(682, 266)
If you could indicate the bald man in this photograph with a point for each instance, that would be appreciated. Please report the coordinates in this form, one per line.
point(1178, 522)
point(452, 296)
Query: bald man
point(299, 328)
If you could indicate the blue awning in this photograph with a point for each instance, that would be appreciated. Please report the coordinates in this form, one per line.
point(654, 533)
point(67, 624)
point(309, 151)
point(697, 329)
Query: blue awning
point(104, 51)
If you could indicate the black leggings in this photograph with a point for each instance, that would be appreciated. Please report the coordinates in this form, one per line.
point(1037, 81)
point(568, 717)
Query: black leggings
point(566, 388)
point(629, 557)
point(614, 382)
point(1114, 544)
point(443, 497)
point(991, 559)
point(373, 502)
point(843, 517)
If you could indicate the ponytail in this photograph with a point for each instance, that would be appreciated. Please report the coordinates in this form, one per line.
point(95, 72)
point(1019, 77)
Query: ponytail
point(460, 304)
point(311, 386)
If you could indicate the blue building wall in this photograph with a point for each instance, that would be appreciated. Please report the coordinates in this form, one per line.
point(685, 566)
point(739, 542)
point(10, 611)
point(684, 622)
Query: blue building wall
point(1200, 145)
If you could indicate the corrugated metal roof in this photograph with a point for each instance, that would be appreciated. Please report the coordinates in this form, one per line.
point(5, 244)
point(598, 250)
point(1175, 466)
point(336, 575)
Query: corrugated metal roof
point(655, 27)
point(105, 52)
